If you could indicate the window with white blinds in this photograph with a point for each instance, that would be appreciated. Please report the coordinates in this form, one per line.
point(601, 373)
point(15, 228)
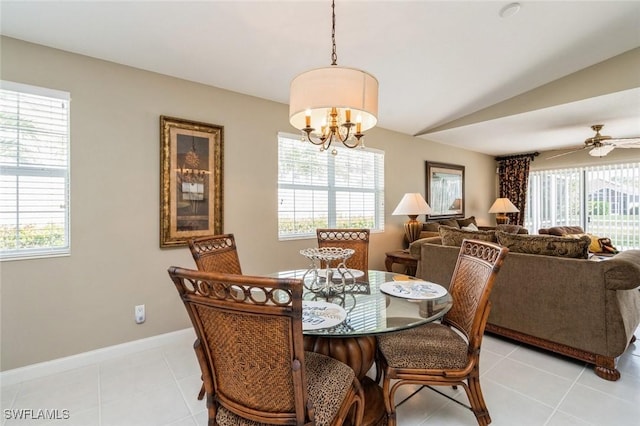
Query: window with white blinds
point(604, 200)
point(34, 172)
point(320, 190)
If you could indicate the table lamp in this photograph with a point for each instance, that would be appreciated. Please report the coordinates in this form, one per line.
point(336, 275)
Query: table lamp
point(500, 207)
point(412, 204)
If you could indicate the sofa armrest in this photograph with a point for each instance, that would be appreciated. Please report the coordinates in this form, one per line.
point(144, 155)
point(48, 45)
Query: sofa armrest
point(622, 272)
point(415, 248)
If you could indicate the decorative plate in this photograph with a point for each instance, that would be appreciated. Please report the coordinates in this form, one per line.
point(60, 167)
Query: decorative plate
point(318, 314)
point(349, 273)
point(413, 289)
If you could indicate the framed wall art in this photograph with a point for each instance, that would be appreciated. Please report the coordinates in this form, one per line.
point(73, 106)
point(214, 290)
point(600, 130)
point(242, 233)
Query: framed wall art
point(445, 190)
point(191, 192)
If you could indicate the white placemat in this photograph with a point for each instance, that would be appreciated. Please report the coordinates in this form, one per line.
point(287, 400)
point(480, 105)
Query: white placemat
point(318, 314)
point(413, 289)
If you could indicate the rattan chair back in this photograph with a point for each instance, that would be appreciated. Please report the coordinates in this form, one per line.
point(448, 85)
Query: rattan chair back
point(216, 253)
point(250, 329)
point(471, 283)
point(356, 239)
point(438, 354)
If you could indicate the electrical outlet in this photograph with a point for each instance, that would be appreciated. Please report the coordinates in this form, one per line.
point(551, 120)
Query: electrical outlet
point(139, 313)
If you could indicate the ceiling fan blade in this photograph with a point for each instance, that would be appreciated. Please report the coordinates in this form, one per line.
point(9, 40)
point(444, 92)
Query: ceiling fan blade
point(625, 142)
point(568, 152)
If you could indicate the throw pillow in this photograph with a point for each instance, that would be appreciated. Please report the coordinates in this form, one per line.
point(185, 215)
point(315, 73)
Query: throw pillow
point(449, 222)
point(512, 229)
point(430, 226)
point(469, 227)
point(594, 246)
point(546, 245)
point(467, 221)
point(453, 236)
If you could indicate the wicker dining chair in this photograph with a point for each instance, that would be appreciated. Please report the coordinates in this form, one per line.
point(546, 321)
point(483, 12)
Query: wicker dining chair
point(357, 239)
point(215, 253)
point(436, 353)
point(253, 362)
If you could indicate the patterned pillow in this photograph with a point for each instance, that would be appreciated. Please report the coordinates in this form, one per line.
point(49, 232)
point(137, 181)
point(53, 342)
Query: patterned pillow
point(467, 221)
point(594, 247)
point(449, 222)
point(453, 236)
point(433, 226)
point(430, 226)
point(547, 245)
point(512, 229)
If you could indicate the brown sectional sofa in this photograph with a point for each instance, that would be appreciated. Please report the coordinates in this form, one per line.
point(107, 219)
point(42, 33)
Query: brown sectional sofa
point(587, 309)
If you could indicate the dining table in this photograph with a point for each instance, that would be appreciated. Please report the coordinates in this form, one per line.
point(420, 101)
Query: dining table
point(357, 309)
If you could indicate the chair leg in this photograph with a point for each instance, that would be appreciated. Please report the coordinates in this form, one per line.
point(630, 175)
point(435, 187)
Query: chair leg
point(478, 406)
point(388, 393)
point(201, 393)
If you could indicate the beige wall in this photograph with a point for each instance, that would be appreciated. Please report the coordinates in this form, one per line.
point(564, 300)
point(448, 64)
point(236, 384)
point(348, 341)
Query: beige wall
point(62, 306)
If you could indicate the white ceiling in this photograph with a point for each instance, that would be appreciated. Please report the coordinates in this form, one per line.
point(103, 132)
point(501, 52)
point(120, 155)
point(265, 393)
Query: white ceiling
point(435, 61)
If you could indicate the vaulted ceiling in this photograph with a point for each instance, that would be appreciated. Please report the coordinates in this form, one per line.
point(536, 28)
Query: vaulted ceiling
point(440, 64)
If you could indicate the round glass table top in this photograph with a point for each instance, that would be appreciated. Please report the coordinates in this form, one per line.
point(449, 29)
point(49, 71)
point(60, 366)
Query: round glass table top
point(371, 311)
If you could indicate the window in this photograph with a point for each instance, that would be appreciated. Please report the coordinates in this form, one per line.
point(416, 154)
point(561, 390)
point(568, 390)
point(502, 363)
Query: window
point(34, 172)
point(320, 190)
point(604, 200)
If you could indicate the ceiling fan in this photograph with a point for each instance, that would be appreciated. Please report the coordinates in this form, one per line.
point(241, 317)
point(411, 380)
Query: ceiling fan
point(602, 145)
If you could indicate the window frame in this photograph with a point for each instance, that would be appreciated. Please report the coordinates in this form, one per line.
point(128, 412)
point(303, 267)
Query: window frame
point(332, 188)
point(42, 171)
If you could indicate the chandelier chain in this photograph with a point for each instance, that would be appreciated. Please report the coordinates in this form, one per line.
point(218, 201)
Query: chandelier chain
point(334, 55)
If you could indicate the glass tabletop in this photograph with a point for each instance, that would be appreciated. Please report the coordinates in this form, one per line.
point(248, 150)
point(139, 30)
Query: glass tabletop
point(369, 311)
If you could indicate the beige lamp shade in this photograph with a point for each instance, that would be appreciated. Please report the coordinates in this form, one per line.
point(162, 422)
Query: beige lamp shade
point(412, 204)
point(319, 90)
point(502, 206)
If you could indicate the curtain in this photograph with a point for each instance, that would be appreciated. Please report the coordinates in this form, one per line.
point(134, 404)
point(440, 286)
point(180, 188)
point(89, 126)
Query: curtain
point(513, 174)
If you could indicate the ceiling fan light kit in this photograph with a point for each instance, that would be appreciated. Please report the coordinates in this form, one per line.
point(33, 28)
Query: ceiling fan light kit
point(601, 145)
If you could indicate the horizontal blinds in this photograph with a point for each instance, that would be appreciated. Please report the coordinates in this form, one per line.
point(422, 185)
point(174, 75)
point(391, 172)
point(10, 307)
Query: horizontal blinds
point(603, 199)
point(319, 190)
point(34, 165)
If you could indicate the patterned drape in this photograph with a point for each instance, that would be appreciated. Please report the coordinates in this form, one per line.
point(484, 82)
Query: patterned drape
point(514, 178)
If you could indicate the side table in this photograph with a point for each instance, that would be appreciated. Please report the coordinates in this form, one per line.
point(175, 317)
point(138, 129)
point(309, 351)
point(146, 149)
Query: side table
point(402, 257)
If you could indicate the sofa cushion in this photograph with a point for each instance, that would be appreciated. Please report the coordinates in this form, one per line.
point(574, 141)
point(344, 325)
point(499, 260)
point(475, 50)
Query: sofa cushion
point(453, 236)
point(432, 226)
point(470, 227)
point(547, 245)
point(512, 229)
point(467, 221)
point(594, 246)
point(561, 230)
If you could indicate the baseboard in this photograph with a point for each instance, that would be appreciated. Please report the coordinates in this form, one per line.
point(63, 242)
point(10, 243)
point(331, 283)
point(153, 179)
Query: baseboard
point(35, 371)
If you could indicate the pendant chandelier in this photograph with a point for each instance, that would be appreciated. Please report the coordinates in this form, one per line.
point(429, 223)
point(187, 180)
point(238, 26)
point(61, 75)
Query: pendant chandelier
point(334, 103)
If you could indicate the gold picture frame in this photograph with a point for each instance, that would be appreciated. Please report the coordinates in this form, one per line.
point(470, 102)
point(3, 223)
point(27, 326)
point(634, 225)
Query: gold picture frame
point(191, 191)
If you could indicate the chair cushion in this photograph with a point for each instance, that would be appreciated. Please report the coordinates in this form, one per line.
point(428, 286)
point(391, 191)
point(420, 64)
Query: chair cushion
point(431, 346)
point(328, 381)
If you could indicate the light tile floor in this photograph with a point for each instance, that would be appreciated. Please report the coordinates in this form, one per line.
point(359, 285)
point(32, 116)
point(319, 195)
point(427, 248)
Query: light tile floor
point(522, 386)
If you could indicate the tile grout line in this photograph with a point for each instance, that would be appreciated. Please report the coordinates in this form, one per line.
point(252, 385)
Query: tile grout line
point(184, 398)
point(99, 395)
point(562, 399)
